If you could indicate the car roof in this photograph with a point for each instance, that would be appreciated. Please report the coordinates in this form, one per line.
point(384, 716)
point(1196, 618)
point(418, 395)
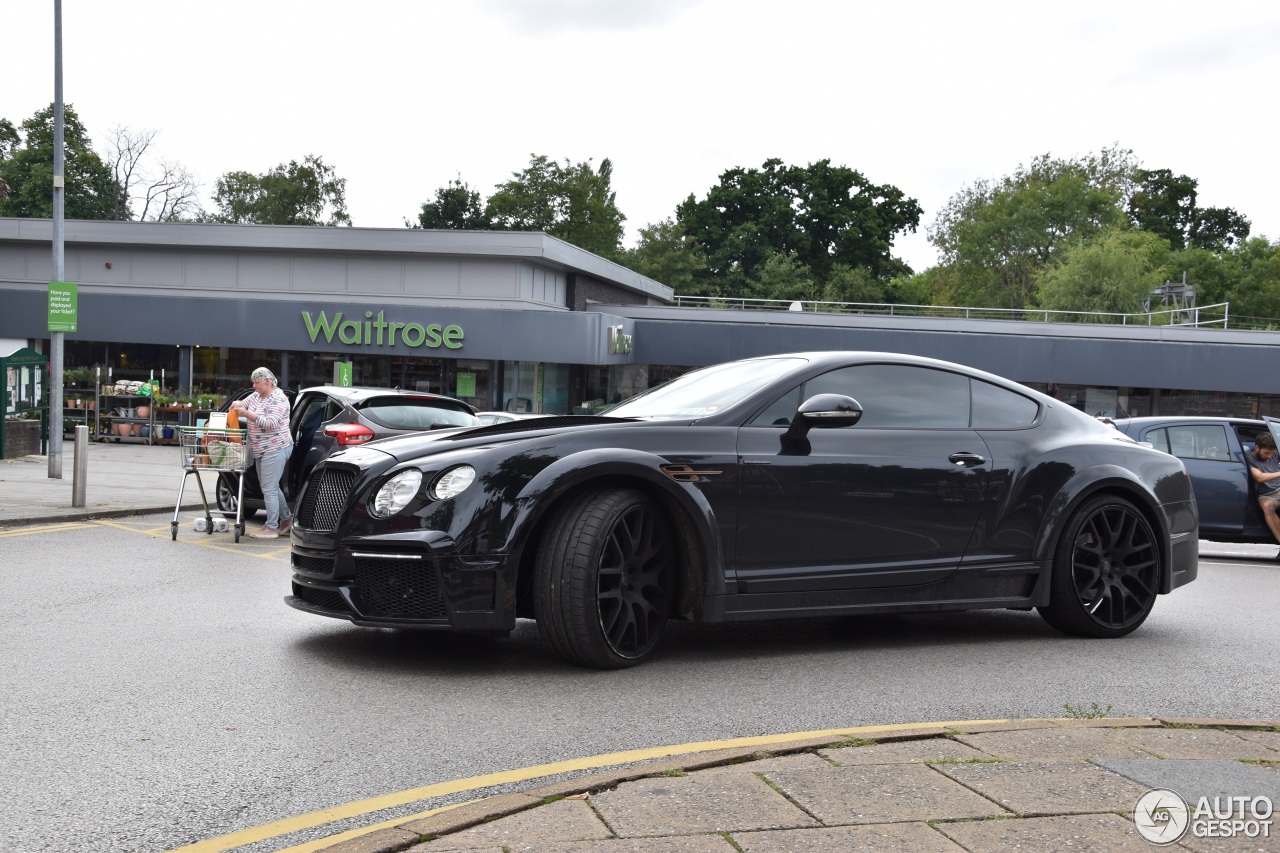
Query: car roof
point(358, 393)
point(1148, 420)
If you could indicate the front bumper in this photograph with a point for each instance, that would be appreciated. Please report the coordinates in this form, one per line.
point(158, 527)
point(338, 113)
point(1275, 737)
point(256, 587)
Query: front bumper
point(401, 580)
point(394, 573)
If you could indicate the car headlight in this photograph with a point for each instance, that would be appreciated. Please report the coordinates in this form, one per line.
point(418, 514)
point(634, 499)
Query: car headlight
point(396, 493)
point(453, 482)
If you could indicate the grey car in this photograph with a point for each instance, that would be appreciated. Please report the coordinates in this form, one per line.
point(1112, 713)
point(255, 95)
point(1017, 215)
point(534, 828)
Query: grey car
point(327, 418)
point(1213, 451)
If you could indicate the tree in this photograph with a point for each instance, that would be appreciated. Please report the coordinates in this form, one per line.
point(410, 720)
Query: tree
point(665, 254)
point(161, 192)
point(307, 193)
point(1165, 204)
point(1252, 269)
point(572, 202)
point(855, 284)
point(997, 235)
point(1113, 273)
point(456, 206)
point(784, 277)
point(26, 164)
point(818, 215)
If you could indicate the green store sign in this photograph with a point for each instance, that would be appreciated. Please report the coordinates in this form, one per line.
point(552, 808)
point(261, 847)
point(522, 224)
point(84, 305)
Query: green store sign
point(378, 332)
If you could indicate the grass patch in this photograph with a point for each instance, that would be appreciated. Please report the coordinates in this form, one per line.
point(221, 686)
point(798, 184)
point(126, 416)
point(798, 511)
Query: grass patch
point(1079, 712)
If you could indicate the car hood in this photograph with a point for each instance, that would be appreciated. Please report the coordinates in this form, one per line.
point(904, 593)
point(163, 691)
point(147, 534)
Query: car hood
point(415, 445)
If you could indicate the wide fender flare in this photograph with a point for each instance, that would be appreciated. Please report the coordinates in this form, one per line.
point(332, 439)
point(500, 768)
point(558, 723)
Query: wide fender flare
point(1090, 481)
point(548, 486)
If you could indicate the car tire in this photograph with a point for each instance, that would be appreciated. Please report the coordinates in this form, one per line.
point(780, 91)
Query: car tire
point(1106, 570)
point(228, 495)
point(604, 579)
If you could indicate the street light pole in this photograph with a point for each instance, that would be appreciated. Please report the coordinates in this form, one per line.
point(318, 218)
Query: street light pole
point(59, 181)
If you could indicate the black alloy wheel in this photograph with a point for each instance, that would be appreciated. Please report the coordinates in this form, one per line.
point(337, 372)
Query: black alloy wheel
point(604, 579)
point(1106, 572)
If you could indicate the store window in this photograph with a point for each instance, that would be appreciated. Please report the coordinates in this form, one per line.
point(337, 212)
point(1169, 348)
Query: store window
point(471, 382)
point(1100, 401)
point(520, 386)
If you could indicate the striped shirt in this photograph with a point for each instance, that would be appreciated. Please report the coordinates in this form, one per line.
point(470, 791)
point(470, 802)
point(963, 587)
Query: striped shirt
point(271, 429)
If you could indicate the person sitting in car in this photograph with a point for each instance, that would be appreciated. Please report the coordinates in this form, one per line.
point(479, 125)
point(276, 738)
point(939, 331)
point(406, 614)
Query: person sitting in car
point(1264, 468)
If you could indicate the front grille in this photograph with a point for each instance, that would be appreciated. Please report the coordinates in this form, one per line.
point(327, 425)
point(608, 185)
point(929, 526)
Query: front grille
point(329, 599)
point(327, 493)
point(312, 565)
point(407, 589)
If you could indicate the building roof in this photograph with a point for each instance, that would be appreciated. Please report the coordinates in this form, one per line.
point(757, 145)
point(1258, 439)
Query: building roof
point(529, 245)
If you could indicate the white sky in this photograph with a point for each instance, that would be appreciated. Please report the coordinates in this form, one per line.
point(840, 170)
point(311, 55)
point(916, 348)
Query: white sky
point(400, 97)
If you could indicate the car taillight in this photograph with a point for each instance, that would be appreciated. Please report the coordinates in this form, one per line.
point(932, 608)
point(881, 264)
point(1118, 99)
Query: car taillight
point(349, 433)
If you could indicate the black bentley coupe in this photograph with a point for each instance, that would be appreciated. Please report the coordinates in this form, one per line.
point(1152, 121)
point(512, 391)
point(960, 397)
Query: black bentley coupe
point(797, 485)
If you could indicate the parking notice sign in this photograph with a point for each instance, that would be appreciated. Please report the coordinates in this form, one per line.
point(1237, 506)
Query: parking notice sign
point(62, 306)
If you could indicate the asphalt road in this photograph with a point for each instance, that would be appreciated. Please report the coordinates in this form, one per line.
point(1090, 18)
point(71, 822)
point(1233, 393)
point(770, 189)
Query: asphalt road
point(156, 693)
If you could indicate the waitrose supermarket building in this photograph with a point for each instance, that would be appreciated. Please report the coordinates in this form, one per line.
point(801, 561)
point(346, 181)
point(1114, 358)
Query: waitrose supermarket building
point(523, 321)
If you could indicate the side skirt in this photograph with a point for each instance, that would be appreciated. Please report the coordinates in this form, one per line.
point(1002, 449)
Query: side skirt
point(1018, 586)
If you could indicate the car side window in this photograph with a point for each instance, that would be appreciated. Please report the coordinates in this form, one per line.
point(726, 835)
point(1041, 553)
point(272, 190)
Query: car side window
point(1158, 438)
point(999, 408)
point(313, 412)
point(899, 395)
point(1201, 441)
point(780, 411)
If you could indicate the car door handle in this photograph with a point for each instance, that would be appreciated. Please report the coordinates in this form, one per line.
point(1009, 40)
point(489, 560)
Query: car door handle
point(966, 460)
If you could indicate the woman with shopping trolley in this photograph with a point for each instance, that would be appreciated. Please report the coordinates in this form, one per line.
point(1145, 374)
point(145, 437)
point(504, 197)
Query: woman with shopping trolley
point(266, 413)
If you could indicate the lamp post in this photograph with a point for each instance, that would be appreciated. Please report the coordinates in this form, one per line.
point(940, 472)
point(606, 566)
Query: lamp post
point(55, 357)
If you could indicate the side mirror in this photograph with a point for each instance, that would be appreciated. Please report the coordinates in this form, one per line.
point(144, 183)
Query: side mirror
point(823, 411)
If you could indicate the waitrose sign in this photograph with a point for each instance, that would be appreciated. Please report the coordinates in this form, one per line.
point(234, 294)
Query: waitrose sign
point(377, 331)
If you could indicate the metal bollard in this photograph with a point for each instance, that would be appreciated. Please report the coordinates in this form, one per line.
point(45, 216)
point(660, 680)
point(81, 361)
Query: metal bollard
point(80, 465)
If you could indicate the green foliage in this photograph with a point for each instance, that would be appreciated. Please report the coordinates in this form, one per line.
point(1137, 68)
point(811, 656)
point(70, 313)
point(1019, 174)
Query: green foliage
point(1165, 204)
point(665, 254)
point(783, 277)
point(816, 216)
point(572, 202)
point(26, 163)
point(307, 193)
point(855, 284)
point(1252, 271)
point(1113, 273)
point(996, 235)
point(456, 206)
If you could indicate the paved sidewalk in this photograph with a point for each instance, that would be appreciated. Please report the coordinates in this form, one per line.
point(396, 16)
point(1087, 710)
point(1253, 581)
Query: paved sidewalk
point(1042, 785)
point(121, 479)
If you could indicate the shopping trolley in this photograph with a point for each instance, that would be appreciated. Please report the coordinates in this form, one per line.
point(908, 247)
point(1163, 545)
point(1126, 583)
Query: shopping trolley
point(212, 449)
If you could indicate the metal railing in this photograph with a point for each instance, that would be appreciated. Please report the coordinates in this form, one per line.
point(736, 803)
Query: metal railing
point(1205, 315)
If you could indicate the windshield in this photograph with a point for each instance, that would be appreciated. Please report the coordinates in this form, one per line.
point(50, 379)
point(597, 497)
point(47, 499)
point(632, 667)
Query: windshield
point(417, 413)
point(706, 391)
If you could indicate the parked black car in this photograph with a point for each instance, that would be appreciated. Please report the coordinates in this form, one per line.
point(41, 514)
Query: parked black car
point(327, 418)
point(788, 486)
point(1213, 450)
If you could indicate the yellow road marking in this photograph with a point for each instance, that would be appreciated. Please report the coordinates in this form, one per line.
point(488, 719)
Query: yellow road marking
point(439, 789)
point(277, 552)
point(319, 844)
point(46, 528)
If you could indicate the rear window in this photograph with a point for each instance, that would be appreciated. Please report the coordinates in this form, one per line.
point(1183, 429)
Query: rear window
point(417, 413)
